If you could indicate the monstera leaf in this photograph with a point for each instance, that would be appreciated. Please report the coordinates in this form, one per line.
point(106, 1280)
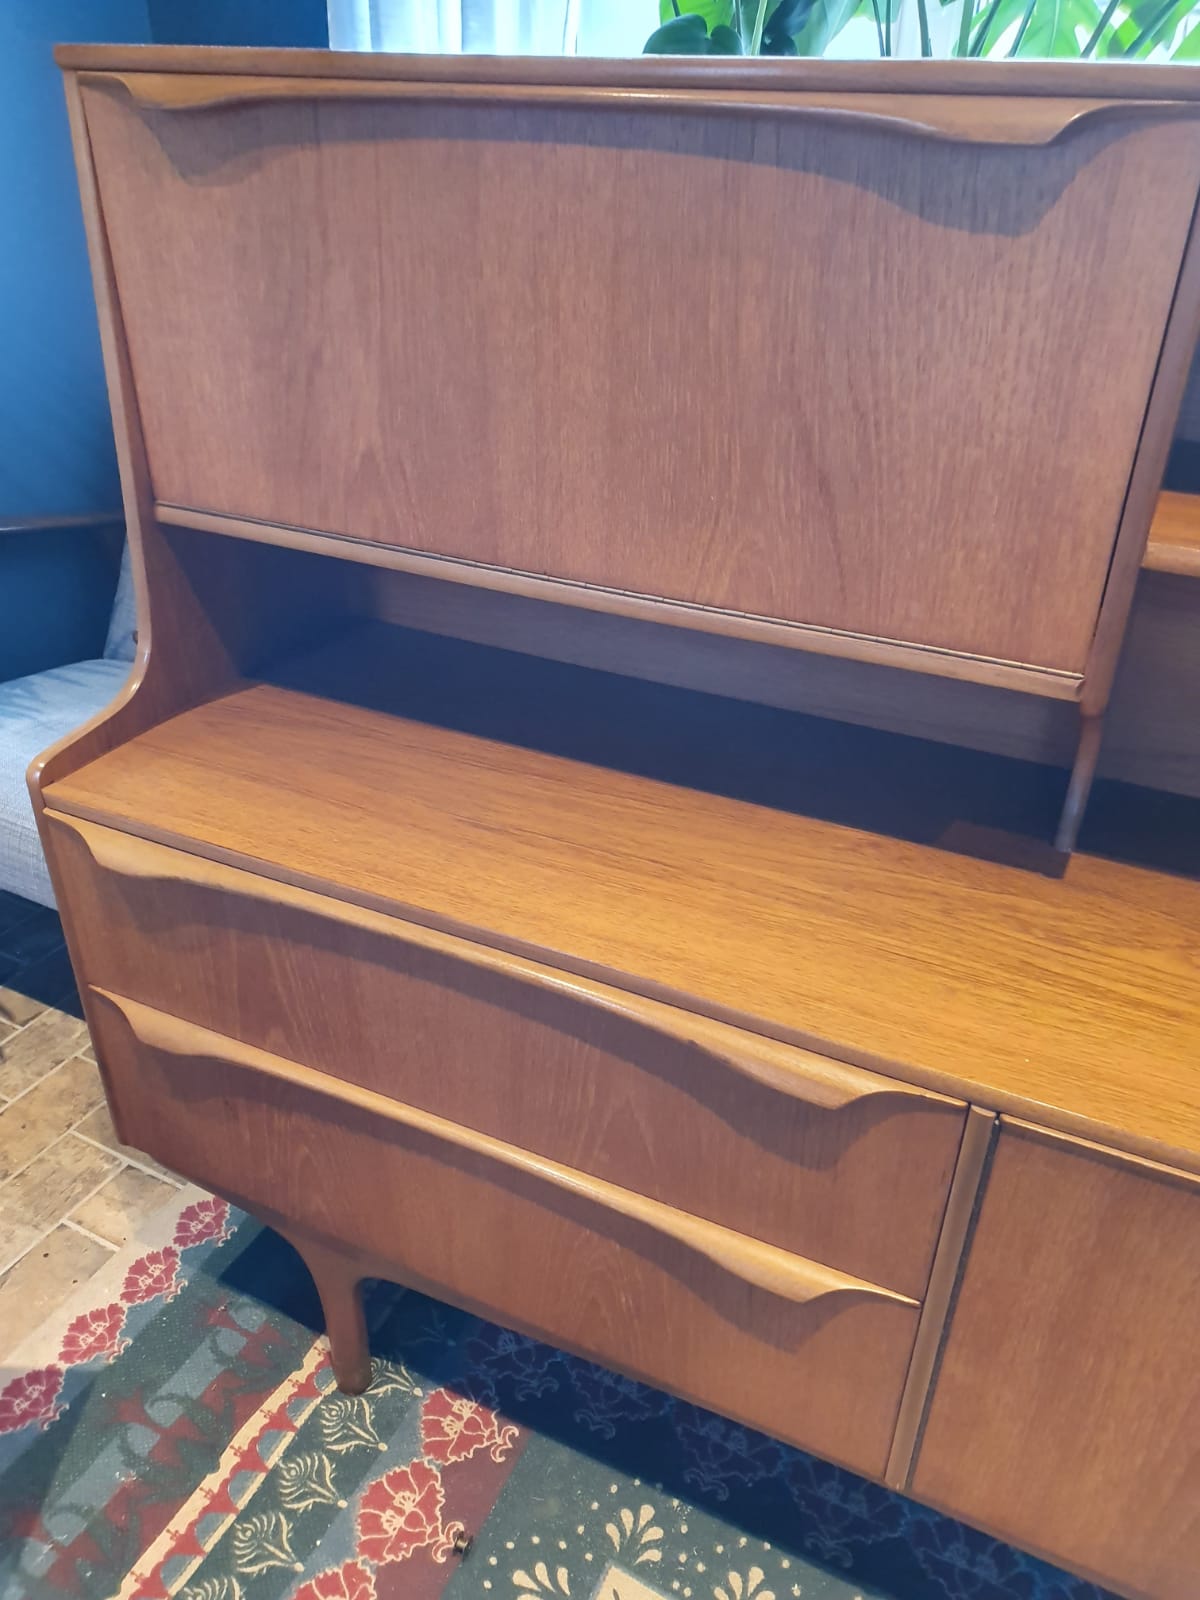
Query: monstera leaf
point(689, 35)
point(729, 27)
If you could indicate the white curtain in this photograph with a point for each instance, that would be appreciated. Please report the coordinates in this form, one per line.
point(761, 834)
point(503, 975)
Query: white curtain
point(494, 27)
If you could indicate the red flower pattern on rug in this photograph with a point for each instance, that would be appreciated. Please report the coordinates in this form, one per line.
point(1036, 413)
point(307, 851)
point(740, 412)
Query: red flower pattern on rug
point(351, 1581)
point(453, 1428)
point(31, 1397)
point(153, 1275)
point(205, 1219)
point(94, 1334)
point(402, 1512)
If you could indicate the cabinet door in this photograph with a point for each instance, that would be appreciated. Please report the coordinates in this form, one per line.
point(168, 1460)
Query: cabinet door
point(1066, 1413)
point(853, 441)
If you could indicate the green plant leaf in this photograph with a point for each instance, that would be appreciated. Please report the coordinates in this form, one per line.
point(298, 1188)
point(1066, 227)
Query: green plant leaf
point(1058, 28)
point(789, 16)
point(1156, 25)
point(716, 13)
point(825, 21)
point(986, 24)
point(965, 20)
point(923, 24)
point(1101, 27)
point(682, 36)
point(754, 43)
point(724, 41)
point(1188, 48)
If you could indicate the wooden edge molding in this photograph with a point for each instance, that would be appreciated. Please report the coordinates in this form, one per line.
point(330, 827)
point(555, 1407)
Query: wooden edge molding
point(1174, 543)
point(760, 1265)
point(103, 728)
point(1039, 1134)
point(982, 78)
point(790, 1070)
point(1025, 121)
point(1048, 682)
point(965, 1188)
point(1176, 353)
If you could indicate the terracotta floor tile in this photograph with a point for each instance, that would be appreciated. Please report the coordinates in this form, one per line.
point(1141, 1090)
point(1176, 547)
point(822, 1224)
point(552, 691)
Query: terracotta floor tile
point(38, 1283)
point(99, 1126)
point(37, 1048)
point(51, 1108)
point(50, 1187)
point(16, 1006)
point(117, 1211)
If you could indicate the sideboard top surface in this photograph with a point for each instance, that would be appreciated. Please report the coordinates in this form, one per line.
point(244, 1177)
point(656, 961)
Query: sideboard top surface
point(1080, 995)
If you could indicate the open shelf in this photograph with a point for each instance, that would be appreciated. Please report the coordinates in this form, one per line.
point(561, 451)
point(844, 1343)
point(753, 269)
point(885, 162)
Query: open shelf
point(1174, 543)
point(622, 829)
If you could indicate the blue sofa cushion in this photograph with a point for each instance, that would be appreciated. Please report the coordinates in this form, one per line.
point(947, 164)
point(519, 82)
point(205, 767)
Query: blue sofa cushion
point(35, 712)
point(121, 644)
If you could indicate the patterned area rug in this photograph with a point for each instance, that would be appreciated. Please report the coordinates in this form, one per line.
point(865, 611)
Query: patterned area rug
point(180, 1435)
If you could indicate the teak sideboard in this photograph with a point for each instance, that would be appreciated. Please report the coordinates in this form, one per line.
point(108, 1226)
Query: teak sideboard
point(651, 1022)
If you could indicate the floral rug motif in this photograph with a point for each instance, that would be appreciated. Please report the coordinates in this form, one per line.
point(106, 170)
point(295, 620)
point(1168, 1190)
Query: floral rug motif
point(181, 1438)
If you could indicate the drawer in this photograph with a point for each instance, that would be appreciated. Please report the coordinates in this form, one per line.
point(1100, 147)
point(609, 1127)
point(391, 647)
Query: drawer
point(834, 1163)
point(814, 1355)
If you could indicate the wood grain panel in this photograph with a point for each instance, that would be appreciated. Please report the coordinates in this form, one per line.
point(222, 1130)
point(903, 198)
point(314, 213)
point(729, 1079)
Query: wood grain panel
point(1128, 83)
point(510, 335)
point(836, 1164)
point(1080, 994)
point(1066, 1414)
point(1013, 120)
point(484, 1234)
point(1174, 542)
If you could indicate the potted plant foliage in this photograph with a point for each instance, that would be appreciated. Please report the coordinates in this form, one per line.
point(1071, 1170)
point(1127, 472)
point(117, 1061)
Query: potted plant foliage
point(1132, 30)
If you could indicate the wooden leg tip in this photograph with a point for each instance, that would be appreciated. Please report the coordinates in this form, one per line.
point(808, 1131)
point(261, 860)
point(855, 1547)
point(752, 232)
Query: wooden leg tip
point(352, 1376)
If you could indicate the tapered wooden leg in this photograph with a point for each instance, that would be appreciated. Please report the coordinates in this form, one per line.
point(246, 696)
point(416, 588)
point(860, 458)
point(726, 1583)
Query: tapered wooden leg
point(340, 1288)
point(1080, 784)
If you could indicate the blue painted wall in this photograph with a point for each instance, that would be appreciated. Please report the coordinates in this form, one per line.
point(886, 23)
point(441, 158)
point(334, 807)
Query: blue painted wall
point(279, 23)
point(56, 453)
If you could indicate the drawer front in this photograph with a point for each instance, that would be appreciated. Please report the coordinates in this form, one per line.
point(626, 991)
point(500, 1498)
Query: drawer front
point(837, 1164)
point(1066, 1414)
point(775, 1341)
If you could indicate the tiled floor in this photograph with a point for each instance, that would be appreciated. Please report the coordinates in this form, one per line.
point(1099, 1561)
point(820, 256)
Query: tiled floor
point(70, 1192)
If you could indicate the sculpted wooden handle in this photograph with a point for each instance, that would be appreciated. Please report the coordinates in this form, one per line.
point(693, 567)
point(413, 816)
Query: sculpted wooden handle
point(763, 1266)
point(788, 1069)
point(969, 119)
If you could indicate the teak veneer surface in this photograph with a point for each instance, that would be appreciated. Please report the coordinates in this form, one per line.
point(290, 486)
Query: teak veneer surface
point(649, 1291)
point(1066, 1412)
point(1153, 84)
point(1079, 995)
point(1174, 544)
point(370, 281)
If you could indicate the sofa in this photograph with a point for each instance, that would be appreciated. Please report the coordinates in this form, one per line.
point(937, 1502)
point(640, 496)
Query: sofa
point(66, 645)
